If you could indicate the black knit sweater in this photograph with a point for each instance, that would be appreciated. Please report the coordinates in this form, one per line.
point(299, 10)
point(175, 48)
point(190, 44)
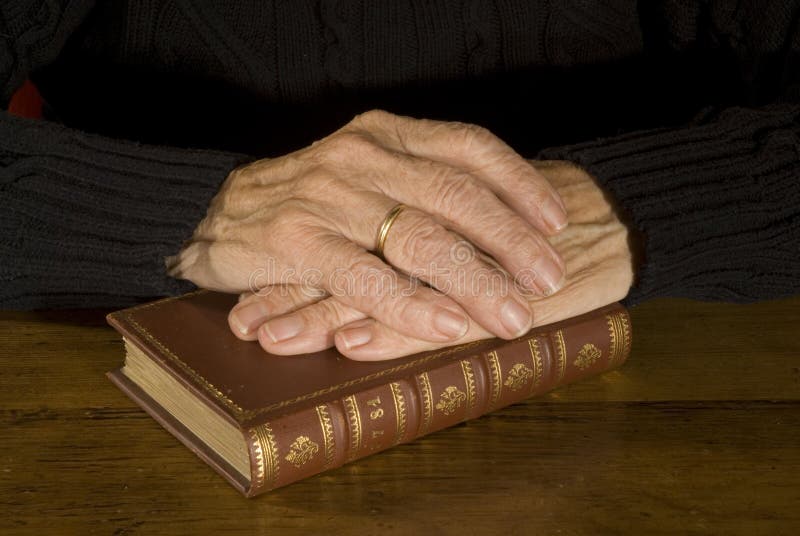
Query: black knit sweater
point(687, 112)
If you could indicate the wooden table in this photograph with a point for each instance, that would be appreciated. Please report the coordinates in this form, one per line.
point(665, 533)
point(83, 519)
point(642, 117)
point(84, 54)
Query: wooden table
point(698, 434)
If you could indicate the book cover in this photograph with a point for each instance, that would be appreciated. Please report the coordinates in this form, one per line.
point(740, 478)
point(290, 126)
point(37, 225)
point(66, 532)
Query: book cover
point(264, 421)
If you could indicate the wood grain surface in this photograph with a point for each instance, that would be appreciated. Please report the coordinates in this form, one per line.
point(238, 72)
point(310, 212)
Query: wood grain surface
point(699, 433)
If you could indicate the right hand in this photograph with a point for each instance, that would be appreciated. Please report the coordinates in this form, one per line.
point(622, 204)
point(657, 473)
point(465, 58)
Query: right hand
point(310, 218)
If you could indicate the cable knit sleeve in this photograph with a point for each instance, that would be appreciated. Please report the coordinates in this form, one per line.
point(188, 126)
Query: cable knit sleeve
point(86, 220)
point(717, 203)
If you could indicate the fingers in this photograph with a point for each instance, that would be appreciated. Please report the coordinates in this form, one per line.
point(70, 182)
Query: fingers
point(475, 150)
point(601, 270)
point(422, 247)
point(308, 329)
point(376, 178)
point(368, 340)
point(256, 308)
point(322, 324)
point(602, 279)
point(465, 205)
point(361, 280)
point(452, 197)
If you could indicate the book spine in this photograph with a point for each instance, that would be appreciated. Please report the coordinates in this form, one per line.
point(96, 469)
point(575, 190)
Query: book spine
point(314, 440)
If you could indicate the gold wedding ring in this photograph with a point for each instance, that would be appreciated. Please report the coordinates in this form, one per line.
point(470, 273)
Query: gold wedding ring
point(385, 226)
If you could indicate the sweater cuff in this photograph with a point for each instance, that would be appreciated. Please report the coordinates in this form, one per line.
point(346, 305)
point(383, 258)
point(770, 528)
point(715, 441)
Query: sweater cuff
point(89, 221)
point(717, 203)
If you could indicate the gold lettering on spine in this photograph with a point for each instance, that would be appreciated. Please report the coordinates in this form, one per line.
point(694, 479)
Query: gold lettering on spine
point(326, 425)
point(427, 402)
point(377, 411)
point(536, 359)
point(469, 381)
point(561, 353)
point(266, 453)
point(496, 377)
point(399, 411)
point(619, 331)
point(354, 418)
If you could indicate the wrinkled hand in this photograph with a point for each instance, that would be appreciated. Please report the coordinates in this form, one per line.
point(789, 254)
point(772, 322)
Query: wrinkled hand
point(309, 220)
point(595, 248)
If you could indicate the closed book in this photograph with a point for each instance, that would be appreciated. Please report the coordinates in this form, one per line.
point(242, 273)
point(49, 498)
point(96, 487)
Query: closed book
point(265, 421)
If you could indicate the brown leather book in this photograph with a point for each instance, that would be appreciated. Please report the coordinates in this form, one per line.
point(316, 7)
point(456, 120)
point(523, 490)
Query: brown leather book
point(264, 421)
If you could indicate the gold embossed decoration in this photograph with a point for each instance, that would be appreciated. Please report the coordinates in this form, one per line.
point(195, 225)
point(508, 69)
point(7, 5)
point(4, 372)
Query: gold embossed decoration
point(561, 352)
point(536, 361)
point(266, 457)
point(496, 375)
point(399, 411)
point(620, 333)
point(354, 420)
point(587, 356)
point(469, 381)
point(301, 451)
point(518, 376)
point(427, 402)
point(450, 400)
point(326, 426)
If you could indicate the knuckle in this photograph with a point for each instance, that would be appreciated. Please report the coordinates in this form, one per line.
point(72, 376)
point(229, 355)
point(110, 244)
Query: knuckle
point(336, 148)
point(371, 284)
point(522, 243)
point(424, 241)
point(371, 117)
point(346, 148)
point(469, 134)
point(454, 191)
point(218, 225)
point(234, 197)
point(331, 314)
point(539, 195)
point(349, 142)
point(528, 183)
point(240, 174)
point(451, 188)
point(407, 309)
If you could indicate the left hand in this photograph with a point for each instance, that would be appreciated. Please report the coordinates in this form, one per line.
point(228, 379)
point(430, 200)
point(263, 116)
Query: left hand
point(595, 247)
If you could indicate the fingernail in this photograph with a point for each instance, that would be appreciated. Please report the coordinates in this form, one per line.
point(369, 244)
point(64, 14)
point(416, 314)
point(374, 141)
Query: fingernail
point(549, 276)
point(248, 317)
point(451, 324)
point(516, 317)
point(554, 214)
point(353, 337)
point(286, 327)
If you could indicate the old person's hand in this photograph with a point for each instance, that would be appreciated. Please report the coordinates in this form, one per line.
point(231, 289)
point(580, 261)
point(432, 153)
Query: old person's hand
point(310, 219)
point(600, 269)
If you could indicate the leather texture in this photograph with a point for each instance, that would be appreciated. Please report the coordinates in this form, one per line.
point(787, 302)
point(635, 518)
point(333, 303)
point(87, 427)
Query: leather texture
point(305, 414)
